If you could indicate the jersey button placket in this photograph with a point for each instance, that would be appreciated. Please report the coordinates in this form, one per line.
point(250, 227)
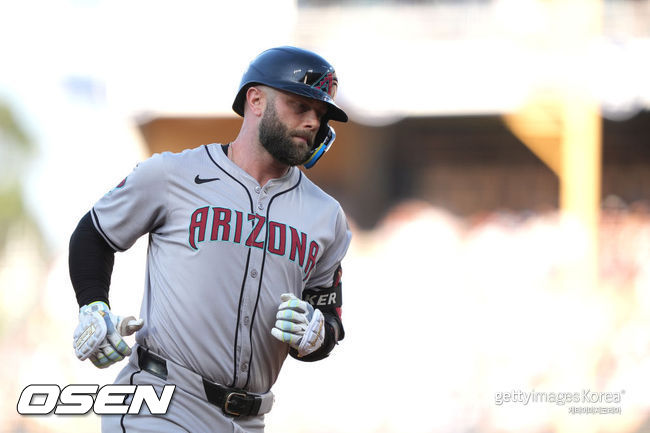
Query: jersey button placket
point(262, 195)
point(245, 352)
point(246, 320)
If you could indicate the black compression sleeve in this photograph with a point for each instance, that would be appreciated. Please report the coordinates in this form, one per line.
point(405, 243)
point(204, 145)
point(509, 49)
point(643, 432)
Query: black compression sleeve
point(91, 263)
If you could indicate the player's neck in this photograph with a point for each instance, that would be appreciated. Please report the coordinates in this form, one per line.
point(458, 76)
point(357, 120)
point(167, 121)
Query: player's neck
point(255, 160)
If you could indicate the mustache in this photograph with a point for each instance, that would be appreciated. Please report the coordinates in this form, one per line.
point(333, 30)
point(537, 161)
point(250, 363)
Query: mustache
point(308, 136)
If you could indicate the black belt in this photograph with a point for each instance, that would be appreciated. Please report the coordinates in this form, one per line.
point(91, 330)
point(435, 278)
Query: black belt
point(232, 401)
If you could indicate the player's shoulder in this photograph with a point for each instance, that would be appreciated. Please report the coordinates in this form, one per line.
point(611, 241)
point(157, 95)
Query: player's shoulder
point(187, 160)
point(172, 166)
point(316, 193)
point(184, 155)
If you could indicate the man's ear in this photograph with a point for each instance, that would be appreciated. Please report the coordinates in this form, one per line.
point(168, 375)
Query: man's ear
point(256, 100)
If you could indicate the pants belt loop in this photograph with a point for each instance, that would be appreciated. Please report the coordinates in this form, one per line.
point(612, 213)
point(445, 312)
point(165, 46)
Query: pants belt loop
point(152, 363)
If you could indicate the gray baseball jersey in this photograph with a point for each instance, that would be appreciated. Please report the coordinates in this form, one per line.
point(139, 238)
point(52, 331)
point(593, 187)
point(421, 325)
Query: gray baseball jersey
point(222, 249)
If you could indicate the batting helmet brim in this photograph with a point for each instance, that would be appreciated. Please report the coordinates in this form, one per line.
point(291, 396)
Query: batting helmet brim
point(333, 111)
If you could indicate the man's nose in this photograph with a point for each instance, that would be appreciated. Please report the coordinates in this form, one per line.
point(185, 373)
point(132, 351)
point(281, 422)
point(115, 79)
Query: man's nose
point(312, 119)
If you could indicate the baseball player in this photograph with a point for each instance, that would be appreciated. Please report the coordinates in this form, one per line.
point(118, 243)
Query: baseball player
point(243, 264)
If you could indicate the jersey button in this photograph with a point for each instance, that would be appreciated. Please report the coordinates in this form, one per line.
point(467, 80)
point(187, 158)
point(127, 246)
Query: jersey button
point(244, 367)
point(247, 320)
point(258, 189)
point(260, 206)
point(254, 273)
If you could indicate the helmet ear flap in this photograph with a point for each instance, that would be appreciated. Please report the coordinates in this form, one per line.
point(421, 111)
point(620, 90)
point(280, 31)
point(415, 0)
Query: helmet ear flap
point(324, 140)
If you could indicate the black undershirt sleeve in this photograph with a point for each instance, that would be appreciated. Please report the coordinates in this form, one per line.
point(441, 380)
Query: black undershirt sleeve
point(91, 263)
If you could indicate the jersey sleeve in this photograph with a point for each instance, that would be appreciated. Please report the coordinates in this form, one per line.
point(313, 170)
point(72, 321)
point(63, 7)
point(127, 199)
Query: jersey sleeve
point(333, 255)
point(134, 207)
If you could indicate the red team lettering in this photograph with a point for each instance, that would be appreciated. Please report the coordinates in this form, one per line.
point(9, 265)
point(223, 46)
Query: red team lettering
point(198, 220)
point(252, 238)
point(311, 259)
point(240, 219)
point(221, 219)
point(278, 235)
point(298, 246)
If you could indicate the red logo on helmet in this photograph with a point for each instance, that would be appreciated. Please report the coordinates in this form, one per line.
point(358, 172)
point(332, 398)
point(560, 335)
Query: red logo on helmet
point(327, 84)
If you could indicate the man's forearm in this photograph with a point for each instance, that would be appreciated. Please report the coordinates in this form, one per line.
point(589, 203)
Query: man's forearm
point(90, 262)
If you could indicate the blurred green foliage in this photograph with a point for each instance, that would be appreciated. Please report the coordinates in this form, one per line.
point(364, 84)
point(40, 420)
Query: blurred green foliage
point(15, 150)
point(10, 129)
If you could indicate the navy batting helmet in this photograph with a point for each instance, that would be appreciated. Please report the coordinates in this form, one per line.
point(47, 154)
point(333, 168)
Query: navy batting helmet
point(301, 72)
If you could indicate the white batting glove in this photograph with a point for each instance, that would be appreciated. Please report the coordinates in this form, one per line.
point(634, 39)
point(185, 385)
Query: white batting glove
point(98, 334)
point(299, 325)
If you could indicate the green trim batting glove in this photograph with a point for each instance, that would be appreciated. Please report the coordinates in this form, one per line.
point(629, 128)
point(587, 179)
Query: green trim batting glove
point(98, 335)
point(299, 325)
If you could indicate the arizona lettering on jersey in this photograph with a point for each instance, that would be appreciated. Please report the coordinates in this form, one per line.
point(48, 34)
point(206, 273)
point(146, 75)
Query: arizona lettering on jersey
point(226, 225)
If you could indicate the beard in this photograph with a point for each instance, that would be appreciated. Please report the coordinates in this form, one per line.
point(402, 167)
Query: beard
point(278, 140)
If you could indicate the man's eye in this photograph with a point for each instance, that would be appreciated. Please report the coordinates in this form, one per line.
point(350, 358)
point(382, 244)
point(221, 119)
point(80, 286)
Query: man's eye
point(301, 106)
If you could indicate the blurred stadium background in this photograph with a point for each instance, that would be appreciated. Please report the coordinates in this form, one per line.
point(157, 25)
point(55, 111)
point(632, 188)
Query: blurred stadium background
point(496, 171)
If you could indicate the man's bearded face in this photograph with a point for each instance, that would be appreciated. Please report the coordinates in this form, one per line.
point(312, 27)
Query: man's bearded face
point(278, 140)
